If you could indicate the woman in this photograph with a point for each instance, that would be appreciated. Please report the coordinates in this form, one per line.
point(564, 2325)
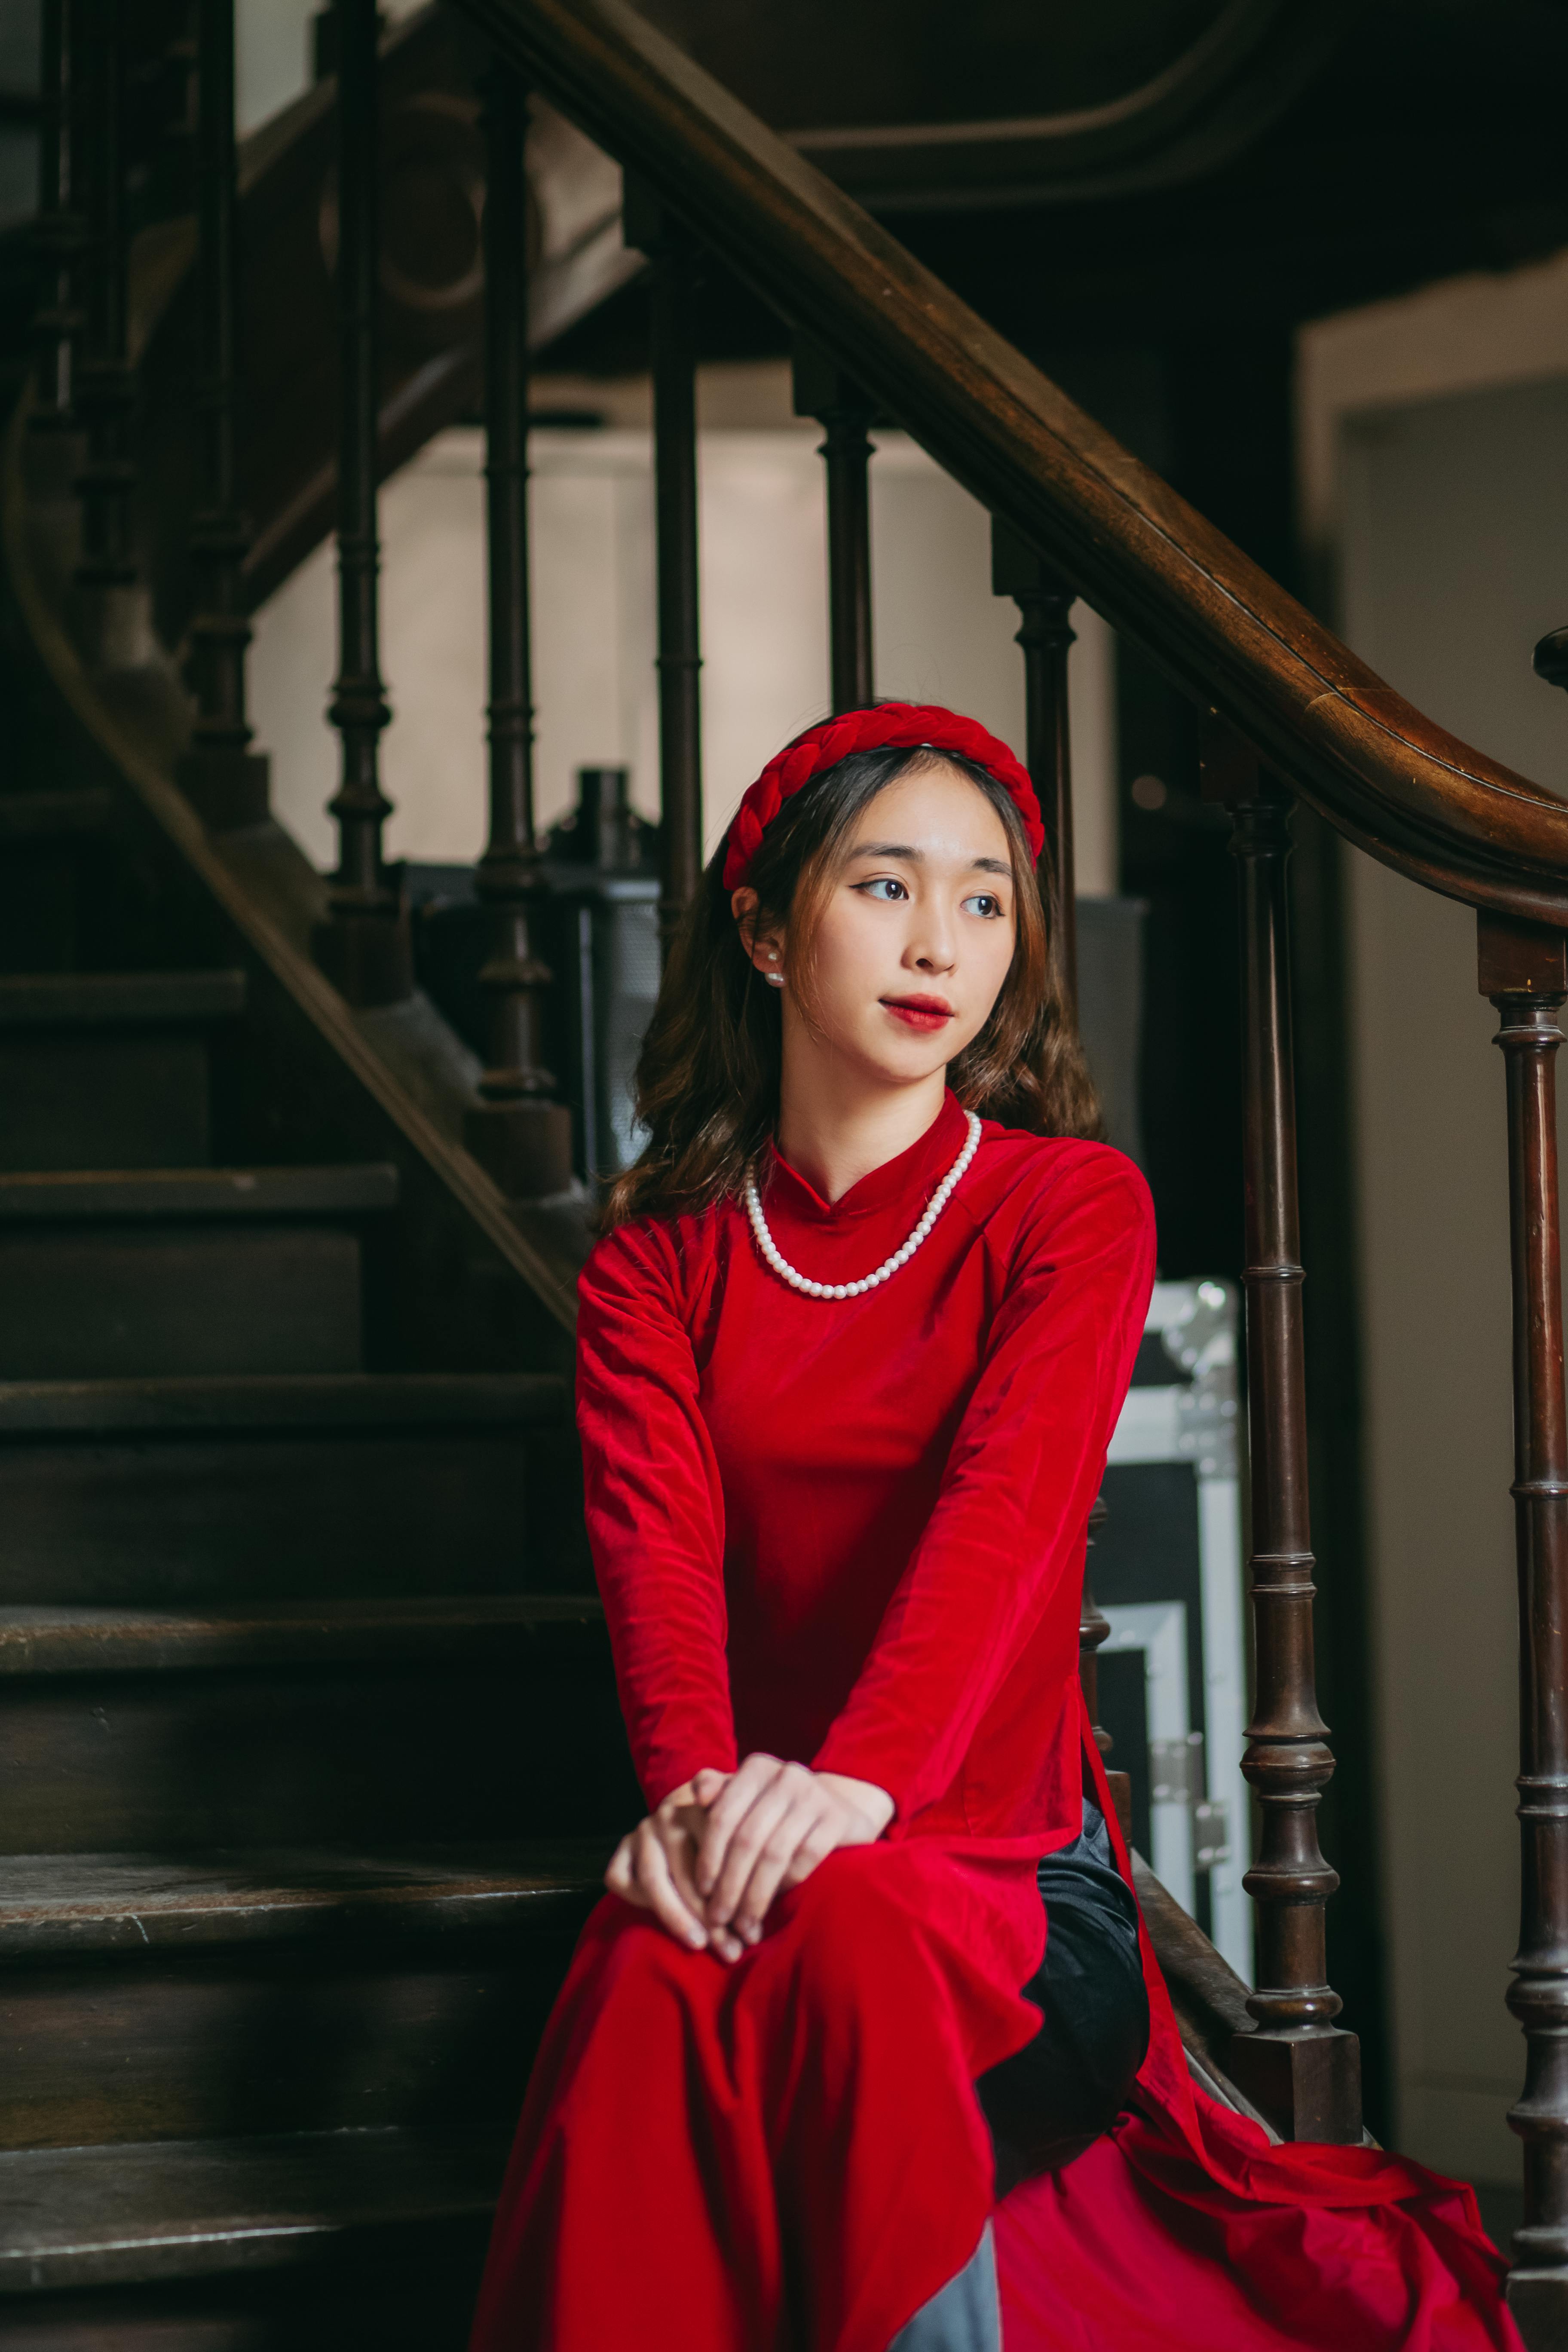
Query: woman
point(850, 1355)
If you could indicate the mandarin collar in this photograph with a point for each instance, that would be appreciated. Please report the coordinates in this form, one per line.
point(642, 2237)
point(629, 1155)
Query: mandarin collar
point(905, 1180)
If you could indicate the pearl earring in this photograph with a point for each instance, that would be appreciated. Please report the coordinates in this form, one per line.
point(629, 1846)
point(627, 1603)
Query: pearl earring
point(773, 979)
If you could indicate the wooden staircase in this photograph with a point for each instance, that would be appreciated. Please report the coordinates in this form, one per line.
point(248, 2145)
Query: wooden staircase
point(308, 1783)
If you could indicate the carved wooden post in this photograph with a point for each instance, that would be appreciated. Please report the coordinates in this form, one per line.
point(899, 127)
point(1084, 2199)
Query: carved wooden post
point(363, 946)
point(649, 225)
point(58, 323)
point(521, 1135)
point(845, 413)
point(1524, 970)
point(1301, 2069)
point(1045, 599)
point(226, 781)
point(106, 609)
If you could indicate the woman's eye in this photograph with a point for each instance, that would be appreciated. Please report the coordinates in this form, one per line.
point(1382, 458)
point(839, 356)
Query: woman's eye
point(983, 902)
point(885, 888)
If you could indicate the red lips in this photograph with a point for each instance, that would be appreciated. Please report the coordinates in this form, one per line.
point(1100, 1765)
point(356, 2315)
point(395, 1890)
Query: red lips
point(927, 1012)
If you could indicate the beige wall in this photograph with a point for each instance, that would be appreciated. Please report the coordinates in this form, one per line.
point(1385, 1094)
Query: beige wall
point(940, 635)
point(1435, 468)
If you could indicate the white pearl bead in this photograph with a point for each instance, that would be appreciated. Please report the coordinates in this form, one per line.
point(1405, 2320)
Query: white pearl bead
point(781, 1266)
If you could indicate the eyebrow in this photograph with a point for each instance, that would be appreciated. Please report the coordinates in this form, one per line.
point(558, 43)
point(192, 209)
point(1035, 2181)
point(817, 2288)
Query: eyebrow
point(916, 858)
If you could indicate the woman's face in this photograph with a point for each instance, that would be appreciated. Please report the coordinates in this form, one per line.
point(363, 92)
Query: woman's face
point(915, 936)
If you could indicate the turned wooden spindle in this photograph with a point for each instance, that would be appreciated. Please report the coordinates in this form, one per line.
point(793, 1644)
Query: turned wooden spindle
point(1045, 599)
point(220, 774)
point(1524, 970)
point(364, 945)
point(651, 228)
point(846, 414)
point(1297, 2065)
point(103, 613)
point(58, 322)
point(521, 1133)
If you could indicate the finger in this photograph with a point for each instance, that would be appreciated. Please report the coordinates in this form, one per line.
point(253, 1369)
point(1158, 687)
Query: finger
point(618, 1875)
point(706, 1785)
point(814, 1848)
point(745, 1844)
point(774, 1858)
point(679, 1840)
point(651, 1871)
point(730, 1806)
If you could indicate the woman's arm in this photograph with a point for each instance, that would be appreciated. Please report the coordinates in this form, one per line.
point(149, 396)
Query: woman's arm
point(654, 1509)
point(1021, 1476)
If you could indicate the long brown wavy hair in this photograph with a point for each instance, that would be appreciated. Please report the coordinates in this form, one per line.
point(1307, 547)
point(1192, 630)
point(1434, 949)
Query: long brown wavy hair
point(708, 1075)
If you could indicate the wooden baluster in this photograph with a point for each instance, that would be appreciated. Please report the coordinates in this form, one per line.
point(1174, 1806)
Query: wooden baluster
point(364, 945)
point(59, 322)
point(1297, 2065)
point(1524, 970)
point(521, 1134)
point(845, 413)
point(648, 226)
point(1045, 599)
point(107, 611)
point(220, 774)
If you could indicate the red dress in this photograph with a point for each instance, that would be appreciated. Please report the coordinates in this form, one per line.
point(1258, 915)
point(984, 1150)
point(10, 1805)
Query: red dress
point(852, 1532)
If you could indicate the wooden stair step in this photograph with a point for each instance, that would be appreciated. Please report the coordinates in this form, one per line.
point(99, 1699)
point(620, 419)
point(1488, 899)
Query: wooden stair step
point(376, 1725)
point(137, 1905)
point(43, 1639)
point(165, 1492)
point(140, 1272)
point(59, 1195)
point(191, 1404)
point(97, 1000)
point(110, 1070)
point(151, 1996)
point(53, 817)
point(187, 2208)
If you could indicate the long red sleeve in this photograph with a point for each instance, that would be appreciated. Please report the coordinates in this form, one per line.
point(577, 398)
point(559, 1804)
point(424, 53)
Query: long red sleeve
point(655, 1507)
point(1020, 1478)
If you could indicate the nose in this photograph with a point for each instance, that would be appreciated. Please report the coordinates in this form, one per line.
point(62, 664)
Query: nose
point(933, 948)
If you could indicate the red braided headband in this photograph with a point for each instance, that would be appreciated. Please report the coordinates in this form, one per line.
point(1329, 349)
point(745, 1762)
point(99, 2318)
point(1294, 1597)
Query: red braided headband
point(884, 726)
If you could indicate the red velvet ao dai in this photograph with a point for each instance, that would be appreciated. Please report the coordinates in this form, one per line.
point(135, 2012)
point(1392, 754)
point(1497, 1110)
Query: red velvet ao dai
point(852, 1532)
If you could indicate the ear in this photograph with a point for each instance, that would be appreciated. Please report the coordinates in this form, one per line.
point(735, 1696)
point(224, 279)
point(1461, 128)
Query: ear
point(766, 949)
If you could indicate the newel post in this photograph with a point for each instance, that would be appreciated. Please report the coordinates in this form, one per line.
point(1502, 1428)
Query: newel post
point(1524, 968)
point(1297, 2065)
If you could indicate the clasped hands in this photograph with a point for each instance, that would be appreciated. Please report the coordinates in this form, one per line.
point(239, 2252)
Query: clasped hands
point(708, 1863)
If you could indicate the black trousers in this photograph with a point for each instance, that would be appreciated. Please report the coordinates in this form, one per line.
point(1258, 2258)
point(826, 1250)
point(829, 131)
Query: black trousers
point(1049, 2101)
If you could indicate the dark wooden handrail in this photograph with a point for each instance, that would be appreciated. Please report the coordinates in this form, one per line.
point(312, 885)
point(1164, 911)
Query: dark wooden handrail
point(1386, 777)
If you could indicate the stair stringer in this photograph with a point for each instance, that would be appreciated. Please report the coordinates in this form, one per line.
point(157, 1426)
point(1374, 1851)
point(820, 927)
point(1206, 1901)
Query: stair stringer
point(486, 1284)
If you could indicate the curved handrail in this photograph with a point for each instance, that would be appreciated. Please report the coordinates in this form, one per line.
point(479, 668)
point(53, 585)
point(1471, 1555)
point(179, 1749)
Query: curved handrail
point(1387, 778)
point(1213, 99)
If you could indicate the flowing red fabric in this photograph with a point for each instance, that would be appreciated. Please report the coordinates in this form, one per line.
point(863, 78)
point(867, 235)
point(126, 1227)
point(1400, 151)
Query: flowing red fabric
point(881, 727)
point(852, 1531)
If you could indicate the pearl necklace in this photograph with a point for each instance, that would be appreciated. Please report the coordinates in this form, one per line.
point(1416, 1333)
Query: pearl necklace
point(890, 1265)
